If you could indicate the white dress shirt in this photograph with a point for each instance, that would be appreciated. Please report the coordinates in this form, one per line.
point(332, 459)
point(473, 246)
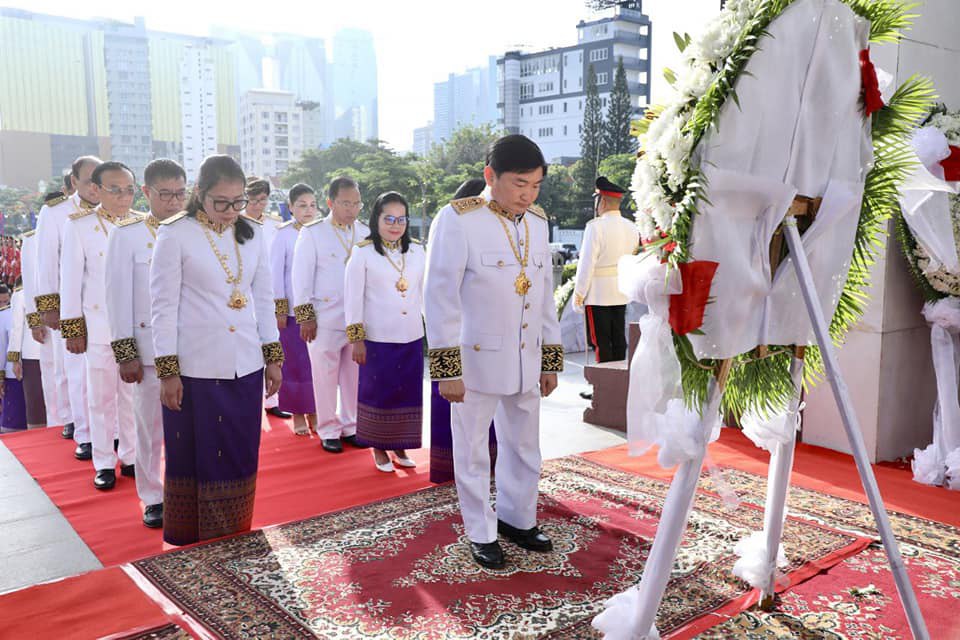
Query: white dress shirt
point(281, 263)
point(51, 226)
point(83, 284)
point(190, 295)
point(319, 262)
point(371, 297)
point(129, 254)
point(606, 239)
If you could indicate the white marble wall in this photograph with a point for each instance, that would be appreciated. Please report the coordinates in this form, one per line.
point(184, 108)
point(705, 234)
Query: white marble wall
point(886, 360)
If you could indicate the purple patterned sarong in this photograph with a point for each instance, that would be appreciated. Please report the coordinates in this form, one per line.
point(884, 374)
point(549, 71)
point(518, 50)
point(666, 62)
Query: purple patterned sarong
point(441, 438)
point(14, 406)
point(296, 392)
point(390, 397)
point(212, 446)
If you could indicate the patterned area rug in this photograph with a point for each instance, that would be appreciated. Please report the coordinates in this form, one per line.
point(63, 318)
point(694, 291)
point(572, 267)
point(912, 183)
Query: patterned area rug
point(399, 568)
point(857, 599)
point(166, 632)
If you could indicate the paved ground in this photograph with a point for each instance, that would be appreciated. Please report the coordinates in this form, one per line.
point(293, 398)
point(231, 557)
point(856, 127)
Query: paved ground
point(37, 544)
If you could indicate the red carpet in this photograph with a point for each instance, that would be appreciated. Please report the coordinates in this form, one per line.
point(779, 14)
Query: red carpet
point(297, 480)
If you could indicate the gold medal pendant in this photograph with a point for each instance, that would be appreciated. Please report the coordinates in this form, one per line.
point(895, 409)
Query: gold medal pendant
point(402, 285)
point(522, 284)
point(237, 300)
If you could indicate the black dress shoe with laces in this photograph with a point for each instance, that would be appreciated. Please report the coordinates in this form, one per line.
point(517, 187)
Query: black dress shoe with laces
point(153, 516)
point(586, 395)
point(278, 413)
point(352, 441)
point(530, 539)
point(84, 451)
point(488, 554)
point(128, 470)
point(332, 445)
point(67, 433)
point(105, 479)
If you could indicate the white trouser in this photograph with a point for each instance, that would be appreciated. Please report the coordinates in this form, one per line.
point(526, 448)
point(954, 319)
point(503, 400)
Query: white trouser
point(111, 409)
point(517, 420)
point(331, 358)
point(149, 420)
point(75, 367)
point(56, 397)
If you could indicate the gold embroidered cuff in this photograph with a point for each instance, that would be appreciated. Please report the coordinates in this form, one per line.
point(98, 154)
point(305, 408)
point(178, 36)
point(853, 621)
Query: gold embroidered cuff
point(48, 302)
point(73, 328)
point(272, 353)
point(283, 307)
point(445, 363)
point(13, 356)
point(3, 375)
point(356, 333)
point(125, 350)
point(33, 320)
point(167, 366)
point(304, 313)
point(551, 360)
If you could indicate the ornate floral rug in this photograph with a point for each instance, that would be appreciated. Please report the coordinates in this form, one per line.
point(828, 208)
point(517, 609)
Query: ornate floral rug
point(399, 569)
point(856, 599)
point(169, 631)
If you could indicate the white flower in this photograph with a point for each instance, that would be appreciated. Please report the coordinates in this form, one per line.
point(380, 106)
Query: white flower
point(695, 81)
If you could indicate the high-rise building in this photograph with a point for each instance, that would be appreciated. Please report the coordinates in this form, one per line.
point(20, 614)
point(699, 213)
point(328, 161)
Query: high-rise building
point(423, 139)
point(314, 124)
point(354, 85)
point(468, 98)
point(126, 63)
point(541, 95)
point(198, 108)
point(271, 132)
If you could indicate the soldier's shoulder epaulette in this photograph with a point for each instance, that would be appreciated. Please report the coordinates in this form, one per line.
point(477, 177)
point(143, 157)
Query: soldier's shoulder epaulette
point(314, 221)
point(253, 220)
point(29, 234)
point(55, 198)
point(126, 222)
point(286, 224)
point(273, 216)
point(5, 307)
point(415, 241)
point(83, 213)
point(365, 243)
point(538, 211)
point(174, 218)
point(466, 205)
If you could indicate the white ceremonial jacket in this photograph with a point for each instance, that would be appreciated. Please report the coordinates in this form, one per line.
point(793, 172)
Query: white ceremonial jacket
point(83, 283)
point(270, 223)
point(129, 255)
point(319, 264)
point(21, 340)
point(474, 315)
point(28, 267)
point(281, 263)
point(189, 295)
point(6, 344)
point(51, 226)
point(371, 297)
point(606, 239)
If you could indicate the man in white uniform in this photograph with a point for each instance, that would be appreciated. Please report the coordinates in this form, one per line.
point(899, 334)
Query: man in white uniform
point(495, 343)
point(86, 326)
point(50, 230)
point(319, 265)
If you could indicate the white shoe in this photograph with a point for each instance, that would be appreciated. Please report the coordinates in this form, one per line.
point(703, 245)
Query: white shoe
point(405, 462)
point(386, 467)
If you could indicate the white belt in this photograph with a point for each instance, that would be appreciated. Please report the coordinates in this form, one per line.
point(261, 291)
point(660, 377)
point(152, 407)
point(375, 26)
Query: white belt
point(606, 271)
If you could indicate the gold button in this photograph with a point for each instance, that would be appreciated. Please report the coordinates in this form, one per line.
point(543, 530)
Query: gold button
point(524, 326)
point(149, 245)
point(499, 263)
point(101, 254)
point(326, 299)
point(526, 306)
point(523, 344)
point(476, 347)
point(521, 243)
point(232, 329)
point(143, 325)
point(96, 228)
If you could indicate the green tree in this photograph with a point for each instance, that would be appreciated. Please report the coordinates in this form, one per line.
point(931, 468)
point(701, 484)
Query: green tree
point(591, 147)
point(557, 198)
point(617, 138)
point(466, 146)
point(619, 169)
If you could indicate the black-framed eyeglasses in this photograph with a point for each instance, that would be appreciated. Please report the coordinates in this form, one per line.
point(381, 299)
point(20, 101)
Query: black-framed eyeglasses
point(116, 192)
point(395, 219)
point(169, 196)
point(221, 206)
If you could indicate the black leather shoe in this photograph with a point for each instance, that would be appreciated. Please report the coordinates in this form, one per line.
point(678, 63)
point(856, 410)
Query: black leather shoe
point(84, 451)
point(105, 479)
point(67, 433)
point(586, 395)
point(276, 412)
point(530, 539)
point(488, 554)
point(128, 470)
point(332, 445)
point(352, 441)
point(116, 445)
point(153, 516)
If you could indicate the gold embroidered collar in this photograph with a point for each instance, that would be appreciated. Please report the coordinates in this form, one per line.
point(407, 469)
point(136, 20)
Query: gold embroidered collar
point(501, 211)
point(297, 225)
point(342, 227)
point(86, 206)
point(392, 246)
point(205, 220)
point(152, 221)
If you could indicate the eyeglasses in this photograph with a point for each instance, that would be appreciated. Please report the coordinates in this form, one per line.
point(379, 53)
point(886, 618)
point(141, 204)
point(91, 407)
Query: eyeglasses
point(260, 200)
point(168, 196)
point(116, 192)
point(350, 204)
point(395, 219)
point(221, 206)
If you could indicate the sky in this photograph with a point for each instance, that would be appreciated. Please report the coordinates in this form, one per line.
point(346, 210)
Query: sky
point(418, 42)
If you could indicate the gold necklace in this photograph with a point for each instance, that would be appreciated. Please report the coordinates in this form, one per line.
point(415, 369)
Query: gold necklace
point(237, 299)
point(522, 284)
point(401, 283)
point(346, 247)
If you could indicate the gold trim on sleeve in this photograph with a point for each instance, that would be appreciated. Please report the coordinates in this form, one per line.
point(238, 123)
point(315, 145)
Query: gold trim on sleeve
point(33, 320)
point(282, 306)
point(73, 328)
point(13, 356)
point(445, 363)
point(356, 332)
point(167, 366)
point(272, 353)
point(48, 302)
point(551, 360)
point(125, 350)
point(304, 313)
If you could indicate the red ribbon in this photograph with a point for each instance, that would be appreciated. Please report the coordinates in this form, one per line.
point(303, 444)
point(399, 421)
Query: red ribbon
point(687, 308)
point(951, 165)
point(870, 88)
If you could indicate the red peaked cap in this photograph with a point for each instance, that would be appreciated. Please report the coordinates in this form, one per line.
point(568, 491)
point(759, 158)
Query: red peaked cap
point(609, 189)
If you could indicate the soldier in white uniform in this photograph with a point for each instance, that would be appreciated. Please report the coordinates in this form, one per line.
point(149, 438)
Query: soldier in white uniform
point(258, 194)
point(50, 229)
point(319, 264)
point(52, 378)
point(129, 255)
point(86, 327)
point(607, 238)
point(495, 342)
